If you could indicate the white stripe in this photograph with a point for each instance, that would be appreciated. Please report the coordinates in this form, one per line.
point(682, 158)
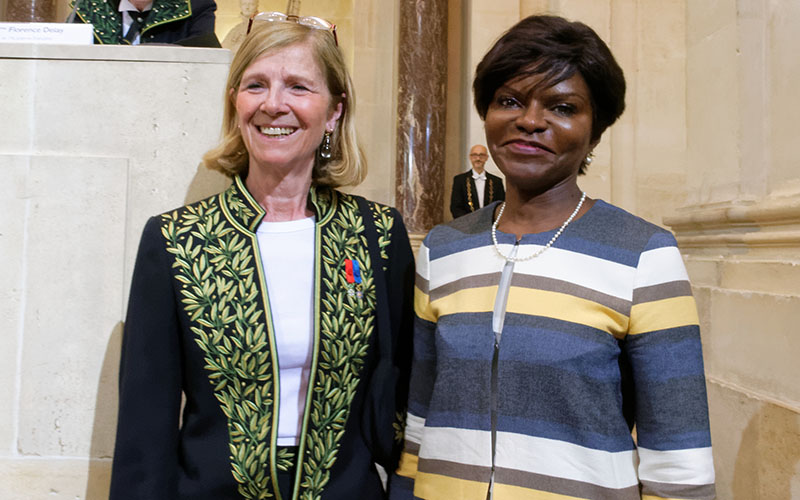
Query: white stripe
point(450, 268)
point(559, 459)
point(580, 269)
point(423, 258)
point(662, 265)
point(414, 427)
point(463, 446)
point(692, 466)
point(594, 273)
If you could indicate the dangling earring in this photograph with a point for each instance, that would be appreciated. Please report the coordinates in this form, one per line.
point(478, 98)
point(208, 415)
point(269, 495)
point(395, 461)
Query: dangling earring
point(325, 150)
point(589, 158)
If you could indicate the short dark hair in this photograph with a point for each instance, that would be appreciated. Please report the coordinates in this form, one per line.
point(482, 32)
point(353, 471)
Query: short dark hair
point(556, 48)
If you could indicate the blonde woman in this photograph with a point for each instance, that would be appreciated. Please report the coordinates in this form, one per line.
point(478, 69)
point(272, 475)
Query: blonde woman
point(280, 308)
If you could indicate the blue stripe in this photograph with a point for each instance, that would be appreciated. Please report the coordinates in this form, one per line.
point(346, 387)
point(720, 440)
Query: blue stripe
point(461, 420)
point(621, 441)
point(662, 355)
point(675, 416)
point(683, 441)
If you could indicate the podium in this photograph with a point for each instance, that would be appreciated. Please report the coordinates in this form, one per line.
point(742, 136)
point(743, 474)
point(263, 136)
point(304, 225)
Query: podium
point(93, 141)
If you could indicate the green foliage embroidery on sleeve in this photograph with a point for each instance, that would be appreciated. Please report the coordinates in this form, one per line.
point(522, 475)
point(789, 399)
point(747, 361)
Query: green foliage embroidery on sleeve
point(384, 221)
point(219, 293)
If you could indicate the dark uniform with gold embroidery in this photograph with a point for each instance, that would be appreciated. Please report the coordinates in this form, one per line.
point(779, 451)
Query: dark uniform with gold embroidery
point(199, 322)
point(464, 197)
point(169, 21)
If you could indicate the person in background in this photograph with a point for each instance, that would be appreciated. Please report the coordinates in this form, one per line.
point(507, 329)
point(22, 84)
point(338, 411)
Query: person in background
point(134, 22)
point(475, 188)
point(551, 325)
point(281, 308)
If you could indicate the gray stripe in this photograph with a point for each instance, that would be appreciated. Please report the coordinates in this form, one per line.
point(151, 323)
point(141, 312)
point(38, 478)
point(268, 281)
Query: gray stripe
point(662, 291)
point(454, 469)
point(410, 447)
point(529, 480)
point(621, 306)
point(566, 487)
point(671, 490)
point(421, 283)
point(475, 281)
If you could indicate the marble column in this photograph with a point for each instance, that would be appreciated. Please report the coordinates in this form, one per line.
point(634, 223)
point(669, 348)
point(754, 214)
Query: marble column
point(43, 11)
point(421, 111)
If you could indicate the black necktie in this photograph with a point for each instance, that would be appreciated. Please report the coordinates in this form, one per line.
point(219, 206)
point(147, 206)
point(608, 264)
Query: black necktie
point(138, 19)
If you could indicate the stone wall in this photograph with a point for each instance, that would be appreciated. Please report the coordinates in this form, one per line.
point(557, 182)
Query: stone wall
point(95, 140)
point(740, 234)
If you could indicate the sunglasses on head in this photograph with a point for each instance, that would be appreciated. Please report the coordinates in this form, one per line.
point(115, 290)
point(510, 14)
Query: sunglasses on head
point(280, 17)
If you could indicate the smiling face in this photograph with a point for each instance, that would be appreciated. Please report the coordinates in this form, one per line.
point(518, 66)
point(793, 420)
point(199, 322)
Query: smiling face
point(538, 135)
point(283, 108)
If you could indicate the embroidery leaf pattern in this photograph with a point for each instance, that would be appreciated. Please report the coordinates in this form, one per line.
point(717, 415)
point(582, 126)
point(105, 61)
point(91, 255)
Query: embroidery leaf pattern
point(383, 224)
point(346, 323)
point(219, 288)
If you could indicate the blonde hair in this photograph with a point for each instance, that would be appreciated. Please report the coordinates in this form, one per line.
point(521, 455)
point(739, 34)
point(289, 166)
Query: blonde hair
point(347, 165)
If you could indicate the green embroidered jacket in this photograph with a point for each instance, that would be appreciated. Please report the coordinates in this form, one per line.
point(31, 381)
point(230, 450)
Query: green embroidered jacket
point(199, 323)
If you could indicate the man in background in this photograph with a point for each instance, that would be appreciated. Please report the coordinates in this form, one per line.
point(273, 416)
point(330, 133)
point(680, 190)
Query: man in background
point(476, 187)
point(134, 22)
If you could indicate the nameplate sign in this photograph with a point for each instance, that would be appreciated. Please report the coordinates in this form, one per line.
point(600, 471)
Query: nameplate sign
point(60, 33)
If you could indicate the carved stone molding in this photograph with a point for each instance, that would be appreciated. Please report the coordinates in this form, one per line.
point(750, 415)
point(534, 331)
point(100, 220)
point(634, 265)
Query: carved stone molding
point(771, 223)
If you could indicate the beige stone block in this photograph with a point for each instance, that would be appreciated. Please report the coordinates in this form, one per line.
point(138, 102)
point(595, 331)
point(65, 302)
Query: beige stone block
point(754, 343)
point(756, 445)
point(76, 238)
point(702, 297)
point(660, 108)
point(54, 479)
point(531, 7)
point(591, 12)
point(784, 101)
point(17, 99)
point(13, 209)
point(707, 18)
point(729, 413)
point(713, 123)
point(703, 272)
point(767, 277)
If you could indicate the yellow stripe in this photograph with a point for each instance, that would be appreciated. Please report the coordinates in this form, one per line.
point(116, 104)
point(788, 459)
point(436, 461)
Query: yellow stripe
point(651, 497)
point(663, 314)
point(422, 306)
point(567, 307)
point(408, 465)
point(436, 487)
point(479, 299)
point(508, 492)
point(536, 302)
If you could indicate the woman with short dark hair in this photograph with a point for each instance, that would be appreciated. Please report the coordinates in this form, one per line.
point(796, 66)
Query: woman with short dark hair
point(550, 325)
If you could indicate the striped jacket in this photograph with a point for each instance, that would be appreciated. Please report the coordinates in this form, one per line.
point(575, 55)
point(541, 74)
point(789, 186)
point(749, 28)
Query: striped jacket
point(601, 335)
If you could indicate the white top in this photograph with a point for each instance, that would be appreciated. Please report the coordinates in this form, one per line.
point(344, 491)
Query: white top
point(480, 185)
point(287, 254)
point(124, 7)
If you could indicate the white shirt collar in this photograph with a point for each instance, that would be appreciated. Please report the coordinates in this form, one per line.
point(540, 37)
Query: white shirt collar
point(476, 175)
point(126, 5)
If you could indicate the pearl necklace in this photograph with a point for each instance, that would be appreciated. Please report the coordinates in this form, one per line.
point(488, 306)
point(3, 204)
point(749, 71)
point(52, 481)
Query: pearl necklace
point(549, 243)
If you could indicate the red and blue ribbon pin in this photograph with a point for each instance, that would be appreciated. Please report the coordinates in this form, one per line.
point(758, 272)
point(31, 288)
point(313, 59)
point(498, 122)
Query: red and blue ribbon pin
point(352, 271)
